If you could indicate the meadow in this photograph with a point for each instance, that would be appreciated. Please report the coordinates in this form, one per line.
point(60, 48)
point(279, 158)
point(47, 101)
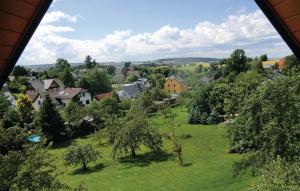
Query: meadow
point(207, 163)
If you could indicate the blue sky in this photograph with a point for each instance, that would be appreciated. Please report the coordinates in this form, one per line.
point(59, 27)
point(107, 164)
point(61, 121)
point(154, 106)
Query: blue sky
point(118, 30)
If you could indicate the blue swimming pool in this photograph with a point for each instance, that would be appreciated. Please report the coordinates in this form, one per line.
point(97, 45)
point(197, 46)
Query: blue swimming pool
point(34, 138)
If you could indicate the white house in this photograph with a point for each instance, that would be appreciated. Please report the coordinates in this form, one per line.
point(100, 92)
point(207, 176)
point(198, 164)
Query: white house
point(80, 95)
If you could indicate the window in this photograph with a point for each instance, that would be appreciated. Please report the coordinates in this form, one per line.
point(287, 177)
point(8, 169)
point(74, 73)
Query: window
point(174, 85)
point(168, 85)
point(87, 101)
point(39, 102)
point(83, 94)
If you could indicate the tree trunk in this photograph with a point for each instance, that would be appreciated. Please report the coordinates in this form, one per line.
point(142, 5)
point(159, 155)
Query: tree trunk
point(133, 154)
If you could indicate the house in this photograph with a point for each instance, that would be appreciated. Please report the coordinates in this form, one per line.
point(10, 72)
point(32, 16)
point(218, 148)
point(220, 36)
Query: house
point(37, 90)
point(80, 95)
point(100, 97)
point(281, 64)
point(174, 85)
point(130, 91)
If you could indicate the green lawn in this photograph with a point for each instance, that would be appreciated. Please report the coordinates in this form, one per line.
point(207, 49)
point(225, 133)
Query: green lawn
point(208, 166)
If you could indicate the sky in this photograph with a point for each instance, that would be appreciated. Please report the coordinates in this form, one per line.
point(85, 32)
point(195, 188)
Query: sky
point(142, 30)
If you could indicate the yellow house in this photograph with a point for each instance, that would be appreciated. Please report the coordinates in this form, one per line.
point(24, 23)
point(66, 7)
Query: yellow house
point(174, 85)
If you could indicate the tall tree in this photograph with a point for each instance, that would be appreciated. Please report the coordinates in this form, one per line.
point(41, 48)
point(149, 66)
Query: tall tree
point(67, 78)
point(89, 62)
point(50, 121)
point(4, 104)
point(25, 110)
point(19, 71)
point(96, 82)
point(62, 63)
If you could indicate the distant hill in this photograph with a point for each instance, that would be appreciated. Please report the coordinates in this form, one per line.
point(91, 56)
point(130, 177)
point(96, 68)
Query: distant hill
point(187, 60)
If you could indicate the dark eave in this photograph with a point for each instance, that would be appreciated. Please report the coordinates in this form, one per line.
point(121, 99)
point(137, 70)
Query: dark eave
point(18, 21)
point(285, 17)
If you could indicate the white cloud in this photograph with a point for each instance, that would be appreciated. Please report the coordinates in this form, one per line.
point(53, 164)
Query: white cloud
point(251, 31)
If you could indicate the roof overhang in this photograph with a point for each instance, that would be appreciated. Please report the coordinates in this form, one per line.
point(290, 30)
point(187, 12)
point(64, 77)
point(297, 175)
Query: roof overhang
point(285, 17)
point(18, 21)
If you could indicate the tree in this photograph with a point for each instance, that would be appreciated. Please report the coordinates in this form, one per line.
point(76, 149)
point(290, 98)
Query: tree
point(67, 78)
point(77, 154)
point(132, 78)
point(62, 63)
point(4, 104)
point(96, 82)
point(89, 62)
point(169, 118)
point(19, 71)
point(237, 63)
point(25, 110)
point(279, 175)
point(29, 169)
point(180, 101)
point(268, 124)
point(111, 69)
point(263, 57)
point(50, 121)
point(292, 64)
point(129, 133)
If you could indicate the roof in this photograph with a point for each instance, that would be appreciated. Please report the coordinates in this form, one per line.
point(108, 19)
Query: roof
point(32, 95)
point(131, 89)
point(18, 21)
point(104, 95)
point(43, 85)
point(69, 93)
point(281, 64)
point(285, 17)
point(177, 78)
point(48, 82)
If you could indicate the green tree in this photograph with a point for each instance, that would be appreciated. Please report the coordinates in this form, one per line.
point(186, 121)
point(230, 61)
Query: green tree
point(268, 124)
point(132, 78)
point(19, 71)
point(4, 104)
point(111, 69)
point(30, 169)
point(67, 78)
point(279, 175)
point(263, 57)
point(25, 110)
point(129, 133)
point(96, 82)
point(77, 154)
point(62, 63)
point(50, 121)
point(89, 62)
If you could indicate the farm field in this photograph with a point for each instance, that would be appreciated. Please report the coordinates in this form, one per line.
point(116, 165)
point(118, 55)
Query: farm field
point(207, 164)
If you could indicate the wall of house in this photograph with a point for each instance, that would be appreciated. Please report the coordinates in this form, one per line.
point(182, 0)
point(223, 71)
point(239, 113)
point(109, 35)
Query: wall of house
point(37, 103)
point(172, 86)
point(85, 98)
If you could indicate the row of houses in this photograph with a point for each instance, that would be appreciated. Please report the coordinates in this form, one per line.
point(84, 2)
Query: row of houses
point(37, 90)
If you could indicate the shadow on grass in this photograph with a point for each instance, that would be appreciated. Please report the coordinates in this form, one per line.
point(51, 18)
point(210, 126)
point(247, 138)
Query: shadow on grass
point(90, 170)
point(187, 164)
point(146, 159)
point(63, 144)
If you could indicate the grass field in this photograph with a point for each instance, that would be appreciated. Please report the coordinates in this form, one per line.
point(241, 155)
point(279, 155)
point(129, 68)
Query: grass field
point(193, 66)
point(207, 164)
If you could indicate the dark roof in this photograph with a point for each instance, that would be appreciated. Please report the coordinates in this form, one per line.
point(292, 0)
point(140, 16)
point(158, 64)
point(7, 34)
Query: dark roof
point(32, 95)
point(18, 21)
point(131, 89)
point(43, 85)
point(69, 93)
point(285, 17)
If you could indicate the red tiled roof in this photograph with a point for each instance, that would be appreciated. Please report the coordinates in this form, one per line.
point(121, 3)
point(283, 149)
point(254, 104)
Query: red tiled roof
point(102, 96)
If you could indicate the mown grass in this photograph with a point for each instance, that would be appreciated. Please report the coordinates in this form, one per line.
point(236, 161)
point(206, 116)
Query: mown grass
point(207, 164)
